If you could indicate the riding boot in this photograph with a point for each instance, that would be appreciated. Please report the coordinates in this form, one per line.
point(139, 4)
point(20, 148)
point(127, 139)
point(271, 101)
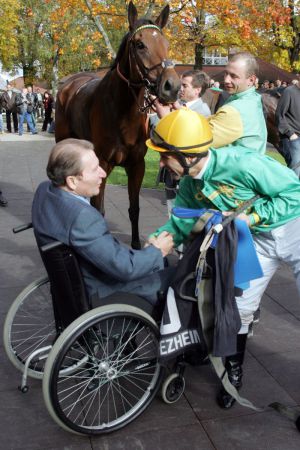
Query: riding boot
point(233, 365)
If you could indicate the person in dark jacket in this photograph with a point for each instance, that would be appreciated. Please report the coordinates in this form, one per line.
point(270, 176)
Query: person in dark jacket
point(288, 122)
point(25, 106)
point(48, 107)
point(8, 101)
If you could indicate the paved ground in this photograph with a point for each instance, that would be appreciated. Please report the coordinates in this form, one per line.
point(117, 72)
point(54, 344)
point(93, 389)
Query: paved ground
point(272, 365)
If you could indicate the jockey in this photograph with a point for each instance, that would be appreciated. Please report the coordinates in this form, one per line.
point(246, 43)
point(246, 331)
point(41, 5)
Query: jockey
point(223, 180)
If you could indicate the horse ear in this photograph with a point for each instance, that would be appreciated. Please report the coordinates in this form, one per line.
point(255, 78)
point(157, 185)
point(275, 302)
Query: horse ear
point(132, 16)
point(162, 19)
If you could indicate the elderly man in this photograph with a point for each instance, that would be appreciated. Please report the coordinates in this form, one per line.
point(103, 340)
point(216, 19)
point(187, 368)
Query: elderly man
point(223, 180)
point(61, 211)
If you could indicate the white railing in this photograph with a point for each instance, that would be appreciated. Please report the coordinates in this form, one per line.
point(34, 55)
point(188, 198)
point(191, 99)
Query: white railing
point(215, 60)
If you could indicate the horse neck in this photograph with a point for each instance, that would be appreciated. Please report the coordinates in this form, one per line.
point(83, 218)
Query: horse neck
point(122, 86)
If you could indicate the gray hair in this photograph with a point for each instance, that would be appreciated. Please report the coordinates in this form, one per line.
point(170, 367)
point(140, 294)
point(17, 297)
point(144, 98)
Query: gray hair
point(65, 160)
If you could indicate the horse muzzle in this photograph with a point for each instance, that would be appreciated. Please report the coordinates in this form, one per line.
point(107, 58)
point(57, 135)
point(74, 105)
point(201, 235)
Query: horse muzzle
point(169, 83)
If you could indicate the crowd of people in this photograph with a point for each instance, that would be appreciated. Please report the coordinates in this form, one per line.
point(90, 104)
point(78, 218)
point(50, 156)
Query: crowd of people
point(26, 106)
point(220, 160)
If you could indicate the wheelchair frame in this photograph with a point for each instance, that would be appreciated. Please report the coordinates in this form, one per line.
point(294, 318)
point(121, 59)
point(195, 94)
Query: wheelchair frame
point(100, 372)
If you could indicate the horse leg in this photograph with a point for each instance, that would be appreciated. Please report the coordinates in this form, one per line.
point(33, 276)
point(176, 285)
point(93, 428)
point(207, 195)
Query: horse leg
point(135, 176)
point(62, 128)
point(98, 200)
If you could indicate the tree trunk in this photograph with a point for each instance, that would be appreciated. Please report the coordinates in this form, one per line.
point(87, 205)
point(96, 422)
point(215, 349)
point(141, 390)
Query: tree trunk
point(28, 74)
point(54, 81)
point(198, 56)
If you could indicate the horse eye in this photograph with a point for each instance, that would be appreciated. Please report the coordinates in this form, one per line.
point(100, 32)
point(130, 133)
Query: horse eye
point(139, 45)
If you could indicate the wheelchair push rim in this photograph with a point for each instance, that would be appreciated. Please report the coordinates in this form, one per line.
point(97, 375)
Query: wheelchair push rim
point(30, 325)
point(119, 380)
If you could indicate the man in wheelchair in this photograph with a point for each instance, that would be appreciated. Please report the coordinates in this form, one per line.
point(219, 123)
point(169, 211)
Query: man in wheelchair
point(61, 211)
point(223, 180)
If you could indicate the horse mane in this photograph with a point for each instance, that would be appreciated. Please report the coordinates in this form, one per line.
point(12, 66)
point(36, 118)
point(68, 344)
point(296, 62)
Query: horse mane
point(123, 44)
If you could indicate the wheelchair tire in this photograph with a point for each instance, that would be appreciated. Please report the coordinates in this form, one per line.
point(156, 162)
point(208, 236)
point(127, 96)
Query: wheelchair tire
point(120, 378)
point(30, 325)
point(173, 388)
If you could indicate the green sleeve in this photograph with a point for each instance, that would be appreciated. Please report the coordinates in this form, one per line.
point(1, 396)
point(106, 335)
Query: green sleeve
point(279, 188)
point(181, 228)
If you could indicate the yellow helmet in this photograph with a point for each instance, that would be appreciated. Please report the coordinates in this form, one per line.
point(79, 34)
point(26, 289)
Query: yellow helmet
point(182, 131)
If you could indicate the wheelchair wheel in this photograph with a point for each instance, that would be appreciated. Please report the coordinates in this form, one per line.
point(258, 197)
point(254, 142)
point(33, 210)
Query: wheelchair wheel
point(173, 388)
point(120, 378)
point(30, 325)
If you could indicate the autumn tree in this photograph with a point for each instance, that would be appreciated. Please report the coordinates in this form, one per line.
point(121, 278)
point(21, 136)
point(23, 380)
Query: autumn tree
point(8, 35)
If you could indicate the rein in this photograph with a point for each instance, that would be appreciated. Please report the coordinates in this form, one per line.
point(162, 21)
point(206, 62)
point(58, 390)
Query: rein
point(143, 72)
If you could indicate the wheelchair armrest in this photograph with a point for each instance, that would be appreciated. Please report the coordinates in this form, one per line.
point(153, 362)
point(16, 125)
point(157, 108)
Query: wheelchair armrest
point(50, 246)
point(23, 227)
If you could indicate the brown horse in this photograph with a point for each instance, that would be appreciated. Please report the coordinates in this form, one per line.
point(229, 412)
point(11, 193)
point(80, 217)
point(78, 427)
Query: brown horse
point(110, 112)
point(270, 102)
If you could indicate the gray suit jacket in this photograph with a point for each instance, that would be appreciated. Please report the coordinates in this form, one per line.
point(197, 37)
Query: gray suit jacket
point(107, 265)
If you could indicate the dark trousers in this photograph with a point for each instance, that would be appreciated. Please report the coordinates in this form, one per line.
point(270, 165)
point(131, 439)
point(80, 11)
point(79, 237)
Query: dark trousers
point(8, 121)
point(48, 119)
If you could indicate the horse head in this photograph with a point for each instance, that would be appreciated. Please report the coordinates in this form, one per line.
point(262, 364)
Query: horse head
point(145, 62)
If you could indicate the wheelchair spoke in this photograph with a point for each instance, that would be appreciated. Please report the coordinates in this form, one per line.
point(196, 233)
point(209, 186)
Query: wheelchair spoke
point(117, 379)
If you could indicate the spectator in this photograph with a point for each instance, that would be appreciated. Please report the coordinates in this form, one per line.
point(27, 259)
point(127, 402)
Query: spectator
point(32, 100)
point(39, 104)
point(1, 119)
point(9, 104)
point(287, 118)
point(277, 83)
point(48, 107)
point(266, 84)
point(24, 109)
point(216, 86)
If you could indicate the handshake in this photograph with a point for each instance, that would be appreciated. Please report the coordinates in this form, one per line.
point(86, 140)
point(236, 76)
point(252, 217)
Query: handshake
point(164, 242)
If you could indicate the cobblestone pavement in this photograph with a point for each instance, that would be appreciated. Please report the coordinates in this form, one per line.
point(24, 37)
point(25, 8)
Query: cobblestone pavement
point(272, 364)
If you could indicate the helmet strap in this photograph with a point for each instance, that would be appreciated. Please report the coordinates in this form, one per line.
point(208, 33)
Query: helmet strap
point(185, 165)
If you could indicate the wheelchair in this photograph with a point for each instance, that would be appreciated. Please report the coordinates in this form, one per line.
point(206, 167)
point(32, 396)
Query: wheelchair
point(99, 365)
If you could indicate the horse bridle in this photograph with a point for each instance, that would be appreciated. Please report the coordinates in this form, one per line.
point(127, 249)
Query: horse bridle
point(143, 71)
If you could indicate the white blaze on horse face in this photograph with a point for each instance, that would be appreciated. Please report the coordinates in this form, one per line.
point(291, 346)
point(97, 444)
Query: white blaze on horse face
point(154, 33)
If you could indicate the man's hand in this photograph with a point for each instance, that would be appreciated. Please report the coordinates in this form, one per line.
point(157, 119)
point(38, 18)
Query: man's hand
point(160, 109)
point(164, 242)
point(241, 216)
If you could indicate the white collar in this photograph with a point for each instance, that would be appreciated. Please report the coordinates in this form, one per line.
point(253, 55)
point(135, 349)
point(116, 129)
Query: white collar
point(189, 104)
point(200, 174)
